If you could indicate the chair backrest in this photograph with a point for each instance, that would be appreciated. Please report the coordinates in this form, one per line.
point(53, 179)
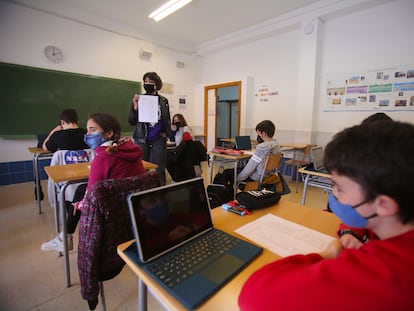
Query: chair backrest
point(104, 224)
point(304, 156)
point(271, 165)
point(62, 157)
point(308, 149)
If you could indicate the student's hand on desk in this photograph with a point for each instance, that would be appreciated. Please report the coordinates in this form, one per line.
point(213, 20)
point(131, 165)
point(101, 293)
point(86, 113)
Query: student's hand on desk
point(135, 100)
point(349, 241)
point(332, 250)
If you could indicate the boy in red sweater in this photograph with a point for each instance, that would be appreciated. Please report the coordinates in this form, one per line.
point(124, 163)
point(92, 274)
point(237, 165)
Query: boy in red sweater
point(372, 168)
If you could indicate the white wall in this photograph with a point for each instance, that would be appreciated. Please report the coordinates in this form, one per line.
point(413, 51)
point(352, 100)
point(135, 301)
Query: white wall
point(25, 32)
point(373, 37)
point(272, 61)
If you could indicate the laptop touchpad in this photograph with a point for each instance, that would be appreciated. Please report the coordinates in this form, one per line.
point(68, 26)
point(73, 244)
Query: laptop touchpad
point(219, 270)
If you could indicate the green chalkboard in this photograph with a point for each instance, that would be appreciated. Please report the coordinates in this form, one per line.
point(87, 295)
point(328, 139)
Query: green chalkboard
point(31, 99)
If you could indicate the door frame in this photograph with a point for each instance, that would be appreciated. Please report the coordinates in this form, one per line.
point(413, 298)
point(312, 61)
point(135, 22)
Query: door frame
point(214, 87)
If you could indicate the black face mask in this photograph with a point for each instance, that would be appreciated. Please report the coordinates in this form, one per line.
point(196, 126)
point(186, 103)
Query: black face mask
point(259, 139)
point(177, 124)
point(149, 88)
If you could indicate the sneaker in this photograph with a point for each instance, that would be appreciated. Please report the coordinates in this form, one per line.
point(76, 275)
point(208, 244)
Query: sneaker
point(57, 244)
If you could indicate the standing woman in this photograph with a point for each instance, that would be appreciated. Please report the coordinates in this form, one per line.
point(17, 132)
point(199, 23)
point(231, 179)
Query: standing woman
point(152, 137)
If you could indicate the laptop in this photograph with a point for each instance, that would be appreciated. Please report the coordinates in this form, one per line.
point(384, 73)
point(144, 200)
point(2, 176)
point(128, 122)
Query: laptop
point(243, 143)
point(169, 220)
point(317, 159)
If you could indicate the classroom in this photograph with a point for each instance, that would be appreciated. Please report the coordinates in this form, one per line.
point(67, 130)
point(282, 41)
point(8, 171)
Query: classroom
point(293, 69)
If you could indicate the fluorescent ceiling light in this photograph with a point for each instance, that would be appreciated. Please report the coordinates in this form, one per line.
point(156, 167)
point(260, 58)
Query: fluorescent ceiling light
point(168, 8)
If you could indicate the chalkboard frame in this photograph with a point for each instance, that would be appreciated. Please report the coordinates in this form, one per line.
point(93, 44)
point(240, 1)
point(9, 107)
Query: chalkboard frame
point(32, 98)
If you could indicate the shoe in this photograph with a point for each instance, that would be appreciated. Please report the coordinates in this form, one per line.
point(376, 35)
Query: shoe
point(57, 244)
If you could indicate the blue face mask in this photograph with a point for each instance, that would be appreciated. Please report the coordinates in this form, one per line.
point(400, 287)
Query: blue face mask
point(347, 213)
point(93, 140)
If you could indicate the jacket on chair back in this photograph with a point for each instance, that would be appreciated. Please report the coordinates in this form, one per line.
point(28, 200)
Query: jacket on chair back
point(104, 224)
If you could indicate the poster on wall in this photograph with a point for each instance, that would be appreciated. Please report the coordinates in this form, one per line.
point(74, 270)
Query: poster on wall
point(265, 94)
point(387, 90)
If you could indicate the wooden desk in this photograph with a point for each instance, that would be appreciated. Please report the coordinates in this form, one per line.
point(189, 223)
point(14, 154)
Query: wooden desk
point(70, 174)
point(36, 154)
point(314, 179)
point(231, 158)
point(74, 172)
point(293, 146)
point(226, 297)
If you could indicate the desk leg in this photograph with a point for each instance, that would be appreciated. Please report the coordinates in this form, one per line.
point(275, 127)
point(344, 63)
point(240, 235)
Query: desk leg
point(37, 181)
point(56, 209)
point(142, 296)
point(305, 188)
point(211, 169)
point(64, 231)
point(235, 179)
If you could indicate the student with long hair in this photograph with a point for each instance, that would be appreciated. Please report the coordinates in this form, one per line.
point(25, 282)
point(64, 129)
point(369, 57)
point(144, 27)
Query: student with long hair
point(115, 157)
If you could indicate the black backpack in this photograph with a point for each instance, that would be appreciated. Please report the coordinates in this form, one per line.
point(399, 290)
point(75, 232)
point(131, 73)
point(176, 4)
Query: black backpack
point(217, 195)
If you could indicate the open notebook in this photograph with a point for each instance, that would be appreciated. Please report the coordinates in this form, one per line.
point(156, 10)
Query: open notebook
point(178, 245)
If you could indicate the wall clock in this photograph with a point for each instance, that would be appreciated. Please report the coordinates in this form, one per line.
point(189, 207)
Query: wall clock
point(53, 54)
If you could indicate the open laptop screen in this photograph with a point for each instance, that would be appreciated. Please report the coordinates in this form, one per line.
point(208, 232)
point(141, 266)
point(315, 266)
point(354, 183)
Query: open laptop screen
point(165, 217)
point(243, 143)
point(317, 158)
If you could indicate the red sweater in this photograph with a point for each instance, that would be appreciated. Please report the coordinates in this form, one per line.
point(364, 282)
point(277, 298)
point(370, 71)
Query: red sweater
point(124, 162)
point(379, 276)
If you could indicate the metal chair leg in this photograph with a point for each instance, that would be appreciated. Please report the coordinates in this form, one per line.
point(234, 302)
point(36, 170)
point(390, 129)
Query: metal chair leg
point(101, 290)
point(297, 178)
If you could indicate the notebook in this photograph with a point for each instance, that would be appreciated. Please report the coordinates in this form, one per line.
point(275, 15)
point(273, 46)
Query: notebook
point(243, 143)
point(317, 159)
point(169, 219)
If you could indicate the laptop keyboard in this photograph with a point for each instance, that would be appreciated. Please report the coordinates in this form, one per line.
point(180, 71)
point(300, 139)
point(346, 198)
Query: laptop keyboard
point(181, 264)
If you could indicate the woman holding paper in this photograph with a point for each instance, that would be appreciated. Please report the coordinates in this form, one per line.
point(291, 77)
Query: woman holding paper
point(151, 133)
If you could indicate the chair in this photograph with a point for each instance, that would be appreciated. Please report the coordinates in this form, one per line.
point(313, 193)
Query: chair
point(298, 162)
point(104, 224)
point(62, 157)
point(183, 162)
point(269, 175)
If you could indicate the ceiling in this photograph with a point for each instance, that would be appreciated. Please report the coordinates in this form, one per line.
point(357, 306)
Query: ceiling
point(198, 22)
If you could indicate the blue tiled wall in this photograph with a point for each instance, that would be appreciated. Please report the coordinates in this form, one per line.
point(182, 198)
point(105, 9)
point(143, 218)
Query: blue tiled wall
point(20, 172)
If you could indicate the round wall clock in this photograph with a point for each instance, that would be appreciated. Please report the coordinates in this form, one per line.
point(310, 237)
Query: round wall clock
point(53, 54)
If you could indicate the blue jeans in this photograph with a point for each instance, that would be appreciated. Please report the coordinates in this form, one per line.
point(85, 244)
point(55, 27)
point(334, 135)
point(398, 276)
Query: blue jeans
point(156, 152)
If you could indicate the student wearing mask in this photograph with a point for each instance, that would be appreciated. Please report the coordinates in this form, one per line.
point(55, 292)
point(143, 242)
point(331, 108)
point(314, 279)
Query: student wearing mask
point(152, 137)
point(182, 132)
point(179, 166)
point(372, 168)
point(356, 237)
point(115, 157)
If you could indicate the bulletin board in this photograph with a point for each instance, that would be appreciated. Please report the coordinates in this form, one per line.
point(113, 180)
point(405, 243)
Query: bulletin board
point(381, 89)
point(32, 98)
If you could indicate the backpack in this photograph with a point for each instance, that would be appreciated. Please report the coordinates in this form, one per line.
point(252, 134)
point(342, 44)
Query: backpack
point(225, 178)
point(217, 195)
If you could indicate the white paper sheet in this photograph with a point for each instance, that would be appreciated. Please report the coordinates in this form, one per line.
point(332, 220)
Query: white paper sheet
point(284, 237)
point(148, 109)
